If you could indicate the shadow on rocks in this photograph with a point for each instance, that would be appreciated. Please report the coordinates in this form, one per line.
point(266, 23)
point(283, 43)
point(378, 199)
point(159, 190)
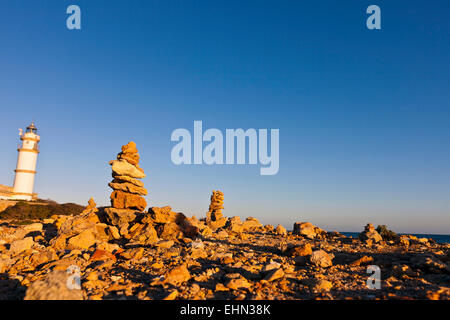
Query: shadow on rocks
point(11, 289)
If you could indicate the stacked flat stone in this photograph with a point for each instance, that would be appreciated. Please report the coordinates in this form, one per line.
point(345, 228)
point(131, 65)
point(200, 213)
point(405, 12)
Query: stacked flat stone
point(214, 217)
point(127, 190)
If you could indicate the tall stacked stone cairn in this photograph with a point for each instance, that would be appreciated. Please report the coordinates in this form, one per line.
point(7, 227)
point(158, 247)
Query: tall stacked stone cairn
point(127, 202)
point(214, 217)
point(127, 190)
point(127, 205)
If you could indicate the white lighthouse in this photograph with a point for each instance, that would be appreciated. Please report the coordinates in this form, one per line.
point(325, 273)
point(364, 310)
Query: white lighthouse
point(26, 164)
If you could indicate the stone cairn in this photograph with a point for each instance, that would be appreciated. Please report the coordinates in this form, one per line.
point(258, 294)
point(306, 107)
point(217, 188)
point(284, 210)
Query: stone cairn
point(214, 217)
point(127, 205)
point(126, 199)
point(127, 190)
point(370, 235)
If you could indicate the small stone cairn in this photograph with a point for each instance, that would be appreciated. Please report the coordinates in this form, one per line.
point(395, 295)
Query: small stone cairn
point(214, 217)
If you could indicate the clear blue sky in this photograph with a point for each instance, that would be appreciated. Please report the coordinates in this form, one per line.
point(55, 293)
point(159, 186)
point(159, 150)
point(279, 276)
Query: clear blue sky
point(363, 115)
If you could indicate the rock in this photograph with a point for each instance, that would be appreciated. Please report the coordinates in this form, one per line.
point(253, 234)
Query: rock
point(3, 265)
point(322, 285)
point(189, 230)
point(150, 234)
point(280, 230)
point(363, 260)
point(301, 250)
point(205, 231)
point(222, 234)
point(122, 179)
point(164, 244)
point(177, 275)
point(129, 148)
point(124, 168)
point(42, 257)
point(135, 229)
point(144, 234)
point(171, 296)
point(74, 225)
point(110, 247)
point(132, 159)
point(34, 227)
point(53, 287)
point(172, 225)
point(321, 259)
point(370, 235)
point(193, 221)
point(59, 220)
point(84, 240)
point(128, 187)
point(91, 207)
point(129, 153)
point(226, 258)
point(274, 275)
point(252, 224)
point(403, 240)
point(217, 224)
point(59, 242)
point(101, 232)
point(195, 253)
point(124, 200)
point(120, 217)
point(19, 246)
point(114, 232)
point(164, 215)
point(432, 295)
point(305, 229)
point(234, 224)
point(271, 266)
point(220, 287)
point(135, 253)
point(92, 276)
point(170, 231)
point(102, 255)
point(236, 281)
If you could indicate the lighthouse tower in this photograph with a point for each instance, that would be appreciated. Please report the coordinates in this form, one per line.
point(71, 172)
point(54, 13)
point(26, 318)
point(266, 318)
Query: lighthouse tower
point(26, 164)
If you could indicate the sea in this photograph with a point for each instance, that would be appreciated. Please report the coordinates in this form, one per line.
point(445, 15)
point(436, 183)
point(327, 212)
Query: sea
point(439, 238)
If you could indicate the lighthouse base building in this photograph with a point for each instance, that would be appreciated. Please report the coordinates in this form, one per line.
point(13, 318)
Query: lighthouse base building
point(25, 169)
point(7, 193)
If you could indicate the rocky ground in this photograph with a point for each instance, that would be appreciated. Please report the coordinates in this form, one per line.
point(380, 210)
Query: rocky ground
point(125, 252)
point(242, 260)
